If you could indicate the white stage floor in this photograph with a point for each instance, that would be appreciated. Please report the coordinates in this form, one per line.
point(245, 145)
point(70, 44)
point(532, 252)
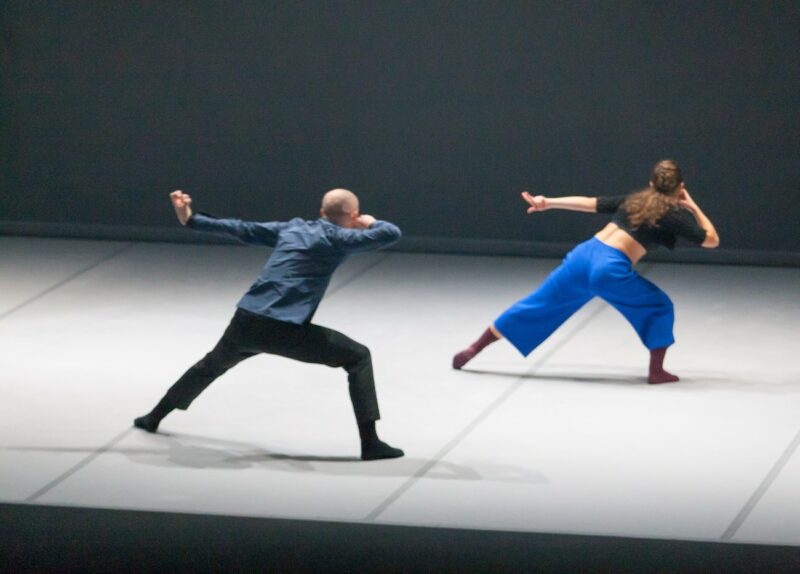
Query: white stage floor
point(569, 440)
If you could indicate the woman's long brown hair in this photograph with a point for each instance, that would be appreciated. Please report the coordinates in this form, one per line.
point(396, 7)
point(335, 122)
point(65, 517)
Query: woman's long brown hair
point(647, 206)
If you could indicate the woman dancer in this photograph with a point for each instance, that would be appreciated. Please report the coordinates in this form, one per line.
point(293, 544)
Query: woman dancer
point(603, 267)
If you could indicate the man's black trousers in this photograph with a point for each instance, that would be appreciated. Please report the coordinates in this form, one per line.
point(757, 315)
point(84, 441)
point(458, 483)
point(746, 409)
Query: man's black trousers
point(249, 334)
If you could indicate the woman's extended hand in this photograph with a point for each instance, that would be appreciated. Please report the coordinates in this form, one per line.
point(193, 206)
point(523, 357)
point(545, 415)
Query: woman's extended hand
point(537, 202)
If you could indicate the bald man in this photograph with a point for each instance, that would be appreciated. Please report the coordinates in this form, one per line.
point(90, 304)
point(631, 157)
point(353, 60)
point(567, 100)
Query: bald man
point(274, 316)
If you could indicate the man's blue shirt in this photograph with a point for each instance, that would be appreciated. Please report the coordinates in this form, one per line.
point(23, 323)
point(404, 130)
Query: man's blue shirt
point(305, 255)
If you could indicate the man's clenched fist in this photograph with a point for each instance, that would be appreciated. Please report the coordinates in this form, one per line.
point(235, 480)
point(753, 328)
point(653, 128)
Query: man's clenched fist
point(181, 202)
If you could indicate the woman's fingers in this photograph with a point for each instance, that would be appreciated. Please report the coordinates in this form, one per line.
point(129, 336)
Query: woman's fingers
point(528, 197)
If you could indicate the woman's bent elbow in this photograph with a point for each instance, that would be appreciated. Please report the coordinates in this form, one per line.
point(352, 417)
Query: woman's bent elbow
point(711, 241)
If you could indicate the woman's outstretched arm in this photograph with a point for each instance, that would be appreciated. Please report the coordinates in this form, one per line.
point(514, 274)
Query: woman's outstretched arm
point(571, 203)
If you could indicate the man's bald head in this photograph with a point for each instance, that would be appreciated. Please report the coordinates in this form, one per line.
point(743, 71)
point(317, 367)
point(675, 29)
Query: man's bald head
point(339, 205)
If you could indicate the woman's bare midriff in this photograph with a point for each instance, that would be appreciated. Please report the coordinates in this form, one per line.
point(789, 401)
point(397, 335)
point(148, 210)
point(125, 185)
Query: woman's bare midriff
point(613, 236)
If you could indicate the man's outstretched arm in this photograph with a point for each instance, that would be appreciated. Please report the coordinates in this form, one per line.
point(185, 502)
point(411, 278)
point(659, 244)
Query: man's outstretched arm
point(244, 231)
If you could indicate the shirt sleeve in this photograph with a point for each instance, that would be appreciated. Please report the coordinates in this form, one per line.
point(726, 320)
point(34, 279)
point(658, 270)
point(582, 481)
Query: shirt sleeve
point(609, 203)
point(244, 231)
point(380, 234)
point(683, 224)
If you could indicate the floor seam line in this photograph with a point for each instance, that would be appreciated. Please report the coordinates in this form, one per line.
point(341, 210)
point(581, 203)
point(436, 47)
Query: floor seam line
point(364, 271)
point(65, 281)
point(76, 467)
point(761, 490)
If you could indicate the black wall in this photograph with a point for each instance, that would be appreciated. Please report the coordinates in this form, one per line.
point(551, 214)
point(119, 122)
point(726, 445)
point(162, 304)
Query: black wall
point(435, 113)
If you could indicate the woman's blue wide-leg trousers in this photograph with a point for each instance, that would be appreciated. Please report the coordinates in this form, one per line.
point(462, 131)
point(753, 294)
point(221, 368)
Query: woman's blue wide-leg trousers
point(590, 269)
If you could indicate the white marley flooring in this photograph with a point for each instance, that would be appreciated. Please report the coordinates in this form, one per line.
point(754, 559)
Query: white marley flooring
point(569, 440)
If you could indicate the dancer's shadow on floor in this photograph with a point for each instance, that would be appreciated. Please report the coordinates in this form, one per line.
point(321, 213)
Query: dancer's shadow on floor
point(691, 381)
point(193, 451)
point(610, 379)
point(167, 449)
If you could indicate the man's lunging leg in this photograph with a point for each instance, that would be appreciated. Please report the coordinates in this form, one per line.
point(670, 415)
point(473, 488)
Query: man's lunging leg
point(194, 381)
point(365, 405)
point(331, 348)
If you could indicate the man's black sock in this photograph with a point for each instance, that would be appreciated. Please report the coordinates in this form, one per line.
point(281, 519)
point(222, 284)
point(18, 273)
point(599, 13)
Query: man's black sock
point(367, 432)
point(151, 420)
point(373, 448)
point(161, 410)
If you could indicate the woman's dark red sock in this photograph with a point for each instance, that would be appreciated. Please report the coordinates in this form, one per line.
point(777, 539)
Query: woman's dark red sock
point(469, 353)
point(657, 373)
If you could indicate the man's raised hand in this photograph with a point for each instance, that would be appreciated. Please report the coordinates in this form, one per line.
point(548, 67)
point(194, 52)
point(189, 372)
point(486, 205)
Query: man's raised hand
point(366, 221)
point(181, 202)
point(537, 203)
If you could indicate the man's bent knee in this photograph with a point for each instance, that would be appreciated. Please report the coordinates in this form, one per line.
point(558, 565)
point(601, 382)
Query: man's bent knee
point(359, 356)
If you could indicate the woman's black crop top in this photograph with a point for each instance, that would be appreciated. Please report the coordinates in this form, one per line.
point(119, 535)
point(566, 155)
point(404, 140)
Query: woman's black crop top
point(677, 222)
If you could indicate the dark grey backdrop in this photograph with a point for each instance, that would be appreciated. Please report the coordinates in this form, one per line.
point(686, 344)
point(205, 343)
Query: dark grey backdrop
point(436, 113)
